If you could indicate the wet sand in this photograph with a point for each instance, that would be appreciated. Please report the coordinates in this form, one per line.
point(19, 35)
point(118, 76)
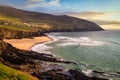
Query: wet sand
point(26, 43)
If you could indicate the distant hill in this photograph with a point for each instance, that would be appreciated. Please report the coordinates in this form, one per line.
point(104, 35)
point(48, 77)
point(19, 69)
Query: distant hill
point(47, 22)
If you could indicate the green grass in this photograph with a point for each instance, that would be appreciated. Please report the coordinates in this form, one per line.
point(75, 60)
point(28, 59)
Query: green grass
point(9, 19)
point(14, 24)
point(14, 27)
point(7, 73)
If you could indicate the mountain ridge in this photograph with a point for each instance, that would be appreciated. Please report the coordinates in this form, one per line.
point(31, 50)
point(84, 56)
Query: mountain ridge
point(57, 23)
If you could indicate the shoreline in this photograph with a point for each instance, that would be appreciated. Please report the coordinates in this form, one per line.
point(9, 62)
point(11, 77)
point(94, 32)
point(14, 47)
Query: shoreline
point(27, 43)
point(44, 42)
point(45, 65)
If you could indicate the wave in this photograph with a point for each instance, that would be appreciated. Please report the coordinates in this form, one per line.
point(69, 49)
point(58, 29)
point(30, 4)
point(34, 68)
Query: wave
point(54, 38)
point(88, 72)
point(81, 41)
point(41, 48)
point(114, 42)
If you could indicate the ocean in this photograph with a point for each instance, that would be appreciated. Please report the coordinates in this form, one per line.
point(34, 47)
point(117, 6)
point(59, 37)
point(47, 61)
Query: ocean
point(97, 51)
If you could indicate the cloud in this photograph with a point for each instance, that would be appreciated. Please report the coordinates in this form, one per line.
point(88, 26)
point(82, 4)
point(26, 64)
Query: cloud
point(31, 1)
point(107, 20)
point(84, 15)
point(102, 18)
point(41, 3)
point(103, 22)
point(94, 15)
point(111, 26)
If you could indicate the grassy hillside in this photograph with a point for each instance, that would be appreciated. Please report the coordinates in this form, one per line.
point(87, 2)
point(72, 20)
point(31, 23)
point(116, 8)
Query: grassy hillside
point(16, 59)
point(55, 23)
point(14, 28)
point(16, 23)
point(13, 23)
point(7, 73)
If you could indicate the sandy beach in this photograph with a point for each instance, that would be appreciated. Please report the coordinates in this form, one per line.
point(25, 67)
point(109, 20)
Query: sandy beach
point(26, 43)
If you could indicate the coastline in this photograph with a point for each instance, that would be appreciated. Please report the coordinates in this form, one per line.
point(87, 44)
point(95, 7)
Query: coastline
point(27, 43)
point(45, 65)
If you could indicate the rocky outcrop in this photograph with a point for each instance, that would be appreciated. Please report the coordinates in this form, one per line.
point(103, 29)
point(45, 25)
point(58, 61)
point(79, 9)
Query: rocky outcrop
point(29, 61)
point(14, 58)
point(80, 76)
point(66, 75)
point(11, 34)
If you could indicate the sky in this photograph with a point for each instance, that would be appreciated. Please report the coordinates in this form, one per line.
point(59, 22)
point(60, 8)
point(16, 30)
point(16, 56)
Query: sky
point(106, 13)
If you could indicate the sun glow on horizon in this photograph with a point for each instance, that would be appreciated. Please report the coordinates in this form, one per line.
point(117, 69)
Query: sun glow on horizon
point(110, 26)
point(107, 20)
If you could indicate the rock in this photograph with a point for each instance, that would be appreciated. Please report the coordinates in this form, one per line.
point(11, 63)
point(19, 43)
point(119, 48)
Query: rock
point(66, 75)
point(11, 34)
point(99, 72)
point(80, 76)
point(29, 61)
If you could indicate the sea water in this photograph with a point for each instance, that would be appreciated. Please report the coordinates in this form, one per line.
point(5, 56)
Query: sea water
point(96, 51)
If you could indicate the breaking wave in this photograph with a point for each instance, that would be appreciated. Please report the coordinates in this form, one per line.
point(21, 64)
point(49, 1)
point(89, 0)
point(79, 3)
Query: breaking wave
point(41, 48)
point(81, 41)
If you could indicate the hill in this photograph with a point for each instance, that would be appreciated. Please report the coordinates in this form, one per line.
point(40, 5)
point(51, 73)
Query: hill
point(7, 73)
point(47, 22)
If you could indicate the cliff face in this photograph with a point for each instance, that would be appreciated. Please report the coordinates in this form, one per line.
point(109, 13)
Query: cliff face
point(57, 23)
point(15, 58)
point(9, 33)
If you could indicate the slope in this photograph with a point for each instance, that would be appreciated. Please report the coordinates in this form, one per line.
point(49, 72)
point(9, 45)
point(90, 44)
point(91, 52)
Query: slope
point(54, 23)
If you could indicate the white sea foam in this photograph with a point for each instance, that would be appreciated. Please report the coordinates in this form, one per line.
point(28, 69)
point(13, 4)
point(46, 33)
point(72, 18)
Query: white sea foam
point(42, 48)
point(66, 41)
point(64, 38)
point(81, 41)
point(54, 38)
point(67, 44)
point(88, 72)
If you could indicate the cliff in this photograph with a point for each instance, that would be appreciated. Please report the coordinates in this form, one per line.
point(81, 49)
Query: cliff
point(9, 33)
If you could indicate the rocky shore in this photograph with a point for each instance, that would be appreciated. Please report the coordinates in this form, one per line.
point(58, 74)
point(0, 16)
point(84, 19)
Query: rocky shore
point(30, 61)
